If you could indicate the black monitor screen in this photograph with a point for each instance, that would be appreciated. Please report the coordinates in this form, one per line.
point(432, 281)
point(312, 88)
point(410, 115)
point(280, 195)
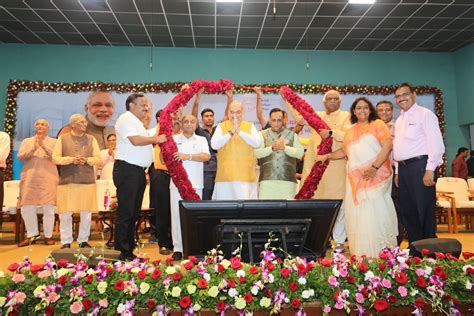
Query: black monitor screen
point(304, 225)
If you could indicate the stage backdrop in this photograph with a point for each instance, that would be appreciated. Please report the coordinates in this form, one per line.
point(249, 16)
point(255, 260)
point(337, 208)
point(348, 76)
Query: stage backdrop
point(57, 104)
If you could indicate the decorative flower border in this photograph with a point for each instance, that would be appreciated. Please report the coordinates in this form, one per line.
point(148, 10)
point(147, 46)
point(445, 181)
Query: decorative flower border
point(348, 284)
point(17, 86)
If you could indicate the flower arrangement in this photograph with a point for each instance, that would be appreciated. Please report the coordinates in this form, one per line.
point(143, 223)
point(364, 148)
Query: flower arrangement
point(214, 283)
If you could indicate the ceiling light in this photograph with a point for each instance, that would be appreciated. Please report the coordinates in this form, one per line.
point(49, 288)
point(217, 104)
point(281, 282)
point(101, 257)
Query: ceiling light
point(362, 1)
point(228, 0)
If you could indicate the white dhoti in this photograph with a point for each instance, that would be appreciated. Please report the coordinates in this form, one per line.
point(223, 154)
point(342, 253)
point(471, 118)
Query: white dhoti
point(65, 227)
point(29, 215)
point(235, 191)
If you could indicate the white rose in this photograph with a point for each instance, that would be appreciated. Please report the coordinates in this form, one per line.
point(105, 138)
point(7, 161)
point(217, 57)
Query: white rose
point(101, 287)
point(302, 281)
point(335, 271)
point(206, 276)
point(170, 270)
point(144, 287)
point(240, 303)
point(468, 285)
point(305, 294)
point(241, 273)
point(414, 292)
point(271, 278)
point(120, 308)
point(213, 291)
point(191, 288)
point(369, 275)
point(428, 270)
point(196, 307)
point(265, 302)
point(176, 291)
point(233, 292)
point(254, 290)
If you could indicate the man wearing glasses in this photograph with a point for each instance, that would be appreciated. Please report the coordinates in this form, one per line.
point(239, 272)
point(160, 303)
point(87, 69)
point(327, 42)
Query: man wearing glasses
point(418, 148)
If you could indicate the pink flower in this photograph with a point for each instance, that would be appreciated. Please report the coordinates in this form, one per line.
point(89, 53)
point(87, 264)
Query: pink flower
point(18, 278)
point(76, 307)
point(53, 297)
point(420, 272)
point(332, 281)
point(103, 303)
point(44, 274)
point(402, 291)
point(327, 309)
point(359, 298)
point(19, 297)
point(386, 283)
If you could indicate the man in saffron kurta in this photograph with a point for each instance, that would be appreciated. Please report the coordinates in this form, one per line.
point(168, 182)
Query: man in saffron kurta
point(235, 141)
point(38, 184)
point(277, 157)
point(332, 185)
point(76, 153)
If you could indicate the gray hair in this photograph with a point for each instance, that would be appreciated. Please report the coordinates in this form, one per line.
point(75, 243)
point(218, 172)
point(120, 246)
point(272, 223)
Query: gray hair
point(93, 93)
point(75, 117)
point(331, 92)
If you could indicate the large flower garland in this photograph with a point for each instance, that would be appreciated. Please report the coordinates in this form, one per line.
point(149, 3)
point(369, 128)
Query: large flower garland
point(17, 86)
point(175, 167)
point(341, 284)
point(317, 171)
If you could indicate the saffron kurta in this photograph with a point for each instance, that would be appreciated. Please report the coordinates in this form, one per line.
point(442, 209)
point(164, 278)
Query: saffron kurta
point(39, 176)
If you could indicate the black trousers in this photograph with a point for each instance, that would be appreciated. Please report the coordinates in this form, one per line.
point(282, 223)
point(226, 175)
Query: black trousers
point(209, 179)
point(396, 203)
point(417, 201)
point(161, 200)
point(130, 182)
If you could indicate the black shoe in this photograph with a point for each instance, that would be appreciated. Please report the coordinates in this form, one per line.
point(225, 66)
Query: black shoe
point(126, 257)
point(66, 246)
point(84, 244)
point(177, 256)
point(165, 251)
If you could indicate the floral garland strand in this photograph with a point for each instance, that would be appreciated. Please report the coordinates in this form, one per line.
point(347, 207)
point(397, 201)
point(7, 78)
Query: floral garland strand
point(317, 171)
point(175, 167)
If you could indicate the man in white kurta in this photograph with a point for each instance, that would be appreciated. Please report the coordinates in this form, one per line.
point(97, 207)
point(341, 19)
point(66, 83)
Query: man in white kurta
point(235, 141)
point(193, 151)
point(277, 157)
point(332, 184)
point(38, 184)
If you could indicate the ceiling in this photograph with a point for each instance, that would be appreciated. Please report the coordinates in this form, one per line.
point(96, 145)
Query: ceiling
point(388, 25)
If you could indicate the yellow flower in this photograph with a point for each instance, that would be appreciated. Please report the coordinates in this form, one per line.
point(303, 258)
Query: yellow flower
point(62, 271)
point(196, 307)
point(144, 287)
point(240, 303)
point(101, 287)
point(2, 274)
point(170, 270)
point(265, 302)
point(135, 270)
point(176, 291)
point(213, 291)
point(2, 300)
point(225, 263)
point(191, 288)
point(39, 289)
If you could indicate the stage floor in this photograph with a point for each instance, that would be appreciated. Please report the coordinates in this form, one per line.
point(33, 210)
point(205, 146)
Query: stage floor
point(11, 253)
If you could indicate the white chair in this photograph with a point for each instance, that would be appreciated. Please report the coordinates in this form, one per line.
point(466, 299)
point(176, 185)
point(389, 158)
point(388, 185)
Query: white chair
point(454, 196)
point(11, 196)
point(470, 183)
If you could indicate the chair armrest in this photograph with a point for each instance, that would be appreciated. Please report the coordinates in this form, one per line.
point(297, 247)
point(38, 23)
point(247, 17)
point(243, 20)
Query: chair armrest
point(443, 192)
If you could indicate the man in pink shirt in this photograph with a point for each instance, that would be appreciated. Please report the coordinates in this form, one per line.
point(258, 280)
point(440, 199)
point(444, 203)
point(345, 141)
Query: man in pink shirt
point(459, 164)
point(418, 148)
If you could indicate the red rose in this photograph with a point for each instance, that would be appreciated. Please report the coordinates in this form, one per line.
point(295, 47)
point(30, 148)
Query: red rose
point(184, 302)
point(13, 267)
point(326, 262)
point(451, 257)
point(168, 260)
point(188, 265)
point(89, 278)
point(62, 262)
point(439, 255)
point(421, 282)
point(439, 271)
point(231, 283)
point(270, 266)
point(350, 279)
point(295, 303)
point(363, 267)
point(467, 254)
point(419, 302)
point(268, 292)
point(446, 297)
point(293, 286)
point(49, 310)
point(242, 279)
point(469, 270)
point(382, 266)
point(87, 303)
point(177, 276)
point(253, 270)
point(235, 263)
point(220, 306)
point(36, 267)
point(193, 259)
point(417, 260)
point(285, 272)
point(109, 270)
point(383, 255)
point(364, 292)
point(401, 277)
point(119, 285)
point(202, 283)
point(248, 298)
point(151, 303)
point(156, 274)
point(220, 268)
point(425, 252)
point(301, 268)
point(62, 279)
point(335, 296)
point(392, 299)
point(142, 274)
point(380, 305)
point(309, 266)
